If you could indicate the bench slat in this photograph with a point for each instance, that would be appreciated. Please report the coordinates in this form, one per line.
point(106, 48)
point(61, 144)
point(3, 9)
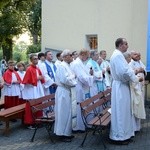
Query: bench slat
point(90, 100)
point(93, 106)
point(96, 120)
point(34, 102)
point(107, 121)
point(43, 105)
point(12, 110)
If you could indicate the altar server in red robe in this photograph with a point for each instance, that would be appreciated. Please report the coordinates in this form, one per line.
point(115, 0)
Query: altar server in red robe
point(33, 88)
point(11, 86)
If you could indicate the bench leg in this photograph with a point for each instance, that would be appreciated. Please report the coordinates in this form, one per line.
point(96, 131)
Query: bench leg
point(6, 131)
point(32, 139)
point(49, 129)
point(101, 137)
point(84, 138)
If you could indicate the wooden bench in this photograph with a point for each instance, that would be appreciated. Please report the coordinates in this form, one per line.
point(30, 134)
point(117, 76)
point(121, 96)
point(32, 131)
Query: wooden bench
point(15, 112)
point(46, 106)
point(95, 119)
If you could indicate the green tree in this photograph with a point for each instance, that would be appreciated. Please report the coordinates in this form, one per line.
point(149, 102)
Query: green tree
point(12, 22)
point(17, 56)
point(34, 22)
point(33, 48)
point(21, 46)
point(3, 3)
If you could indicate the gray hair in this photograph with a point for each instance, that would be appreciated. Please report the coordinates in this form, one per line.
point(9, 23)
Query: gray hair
point(66, 52)
point(127, 54)
point(92, 53)
point(32, 55)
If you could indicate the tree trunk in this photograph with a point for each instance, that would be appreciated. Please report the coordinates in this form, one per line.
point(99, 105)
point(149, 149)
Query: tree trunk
point(35, 38)
point(7, 49)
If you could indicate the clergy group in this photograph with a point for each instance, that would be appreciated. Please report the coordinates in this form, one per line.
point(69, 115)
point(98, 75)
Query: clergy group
point(77, 76)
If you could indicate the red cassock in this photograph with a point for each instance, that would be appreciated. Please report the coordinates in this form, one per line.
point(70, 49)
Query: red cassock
point(31, 78)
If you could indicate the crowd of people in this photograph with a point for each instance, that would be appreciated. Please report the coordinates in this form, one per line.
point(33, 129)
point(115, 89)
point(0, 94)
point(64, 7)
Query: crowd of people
point(76, 76)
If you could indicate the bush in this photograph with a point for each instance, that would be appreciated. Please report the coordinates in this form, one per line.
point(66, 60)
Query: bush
point(33, 49)
point(17, 56)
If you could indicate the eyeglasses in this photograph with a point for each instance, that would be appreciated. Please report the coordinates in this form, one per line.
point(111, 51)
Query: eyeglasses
point(69, 55)
point(35, 58)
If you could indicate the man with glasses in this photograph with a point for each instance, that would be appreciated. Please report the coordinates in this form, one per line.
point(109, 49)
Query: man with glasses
point(33, 88)
point(65, 98)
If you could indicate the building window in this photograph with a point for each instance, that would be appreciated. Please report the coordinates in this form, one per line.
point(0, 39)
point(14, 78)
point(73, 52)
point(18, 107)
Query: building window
point(92, 41)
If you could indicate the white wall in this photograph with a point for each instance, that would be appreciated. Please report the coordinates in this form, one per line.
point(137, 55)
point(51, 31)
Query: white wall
point(66, 22)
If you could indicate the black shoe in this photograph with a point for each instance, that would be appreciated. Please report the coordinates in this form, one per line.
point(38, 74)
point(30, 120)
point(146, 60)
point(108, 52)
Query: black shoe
point(125, 142)
point(13, 120)
point(66, 138)
point(69, 137)
point(78, 131)
point(1, 123)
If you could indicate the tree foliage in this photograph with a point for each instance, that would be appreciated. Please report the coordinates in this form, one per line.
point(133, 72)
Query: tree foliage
point(17, 56)
point(12, 22)
point(3, 3)
point(34, 22)
point(34, 48)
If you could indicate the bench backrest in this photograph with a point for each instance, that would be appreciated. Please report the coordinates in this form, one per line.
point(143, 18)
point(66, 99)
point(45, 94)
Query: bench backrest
point(40, 100)
point(107, 96)
point(96, 101)
point(92, 103)
point(42, 106)
point(91, 100)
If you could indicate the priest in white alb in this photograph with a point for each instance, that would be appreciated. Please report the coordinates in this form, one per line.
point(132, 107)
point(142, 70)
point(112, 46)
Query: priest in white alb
point(65, 98)
point(122, 128)
point(84, 82)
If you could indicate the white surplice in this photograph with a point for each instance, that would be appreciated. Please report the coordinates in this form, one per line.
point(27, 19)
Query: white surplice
point(12, 89)
point(21, 74)
point(121, 116)
point(84, 82)
point(33, 92)
point(66, 82)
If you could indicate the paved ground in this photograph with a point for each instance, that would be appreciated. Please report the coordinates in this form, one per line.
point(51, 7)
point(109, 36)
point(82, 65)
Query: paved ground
point(19, 139)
